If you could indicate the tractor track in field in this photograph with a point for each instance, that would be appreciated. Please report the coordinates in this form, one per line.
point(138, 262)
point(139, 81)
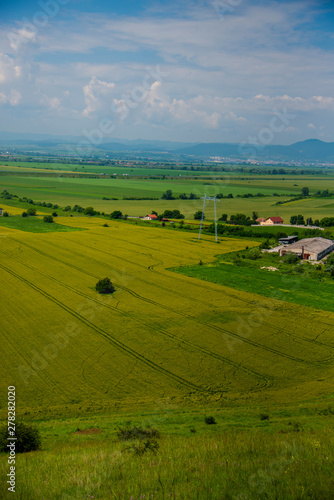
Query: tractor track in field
point(48, 383)
point(201, 285)
point(116, 343)
point(208, 325)
point(266, 381)
point(295, 337)
point(220, 329)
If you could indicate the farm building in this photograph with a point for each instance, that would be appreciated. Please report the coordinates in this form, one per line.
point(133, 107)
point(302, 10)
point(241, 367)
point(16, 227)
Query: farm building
point(260, 220)
point(1, 211)
point(288, 240)
point(270, 221)
point(150, 217)
point(310, 248)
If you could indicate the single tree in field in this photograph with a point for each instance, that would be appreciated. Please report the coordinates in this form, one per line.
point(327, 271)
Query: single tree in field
point(104, 286)
point(255, 215)
point(31, 211)
point(168, 195)
point(48, 218)
point(198, 215)
point(305, 191)
point(116, 214)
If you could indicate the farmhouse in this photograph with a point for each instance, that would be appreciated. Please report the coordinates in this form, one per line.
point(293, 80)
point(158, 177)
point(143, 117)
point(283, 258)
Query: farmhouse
point(1, 211)
point(270, 221)
point(288, 240)
point(150, 217)
point(260, 220)
point(310, 248)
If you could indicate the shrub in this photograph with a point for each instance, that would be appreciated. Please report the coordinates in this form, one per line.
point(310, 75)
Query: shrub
point(142, 447)
point(54, 214)
point(210, 420)
point(264, 416)
point(28, 438)
point(290, 258)
point(116, 214)
point(5, 214)
point(198, 215)
point(104, 286)
point(254, 254)
point(31, 211)
point(24, 214)
point(128, 433)
point(90, 211)
point(48, 218)
point(105, 225)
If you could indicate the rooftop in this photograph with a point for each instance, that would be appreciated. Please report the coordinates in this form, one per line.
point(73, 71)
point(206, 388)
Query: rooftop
point(316, 245)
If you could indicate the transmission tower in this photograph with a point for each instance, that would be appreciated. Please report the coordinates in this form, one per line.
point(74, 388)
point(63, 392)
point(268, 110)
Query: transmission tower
point(214, 199)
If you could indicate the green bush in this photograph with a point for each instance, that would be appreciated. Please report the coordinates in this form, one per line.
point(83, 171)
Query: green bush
point(254, 254)
point(290, 258)
point(48, 218)
point(128, 433)
point(27, 438)
point(104, 286)
point(210, 420)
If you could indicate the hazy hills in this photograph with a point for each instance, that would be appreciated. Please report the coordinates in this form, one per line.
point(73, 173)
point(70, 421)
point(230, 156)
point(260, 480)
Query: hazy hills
point(311, 150)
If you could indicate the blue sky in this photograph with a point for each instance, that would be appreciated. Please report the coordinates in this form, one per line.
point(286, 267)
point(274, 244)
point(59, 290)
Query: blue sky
point(209, 71)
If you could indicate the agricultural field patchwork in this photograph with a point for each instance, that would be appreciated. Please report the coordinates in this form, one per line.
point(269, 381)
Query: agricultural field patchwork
point(160, 335)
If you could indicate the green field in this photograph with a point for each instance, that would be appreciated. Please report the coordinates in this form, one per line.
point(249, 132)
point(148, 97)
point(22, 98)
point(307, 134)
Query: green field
point(316, 291)
point(90, 191)
point(34, 225)
point(253, 349)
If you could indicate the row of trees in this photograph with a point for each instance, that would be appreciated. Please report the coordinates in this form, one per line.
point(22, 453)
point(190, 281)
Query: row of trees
point(168, 195)
point(300, 221)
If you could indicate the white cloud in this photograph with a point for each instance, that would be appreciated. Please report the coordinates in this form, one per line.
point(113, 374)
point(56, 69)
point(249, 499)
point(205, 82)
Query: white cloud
point(14, 97)
point(9, 70)
point(93, 92)
point(222, 77)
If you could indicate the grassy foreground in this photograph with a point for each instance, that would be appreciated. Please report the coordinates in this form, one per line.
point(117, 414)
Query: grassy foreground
point(287, 456)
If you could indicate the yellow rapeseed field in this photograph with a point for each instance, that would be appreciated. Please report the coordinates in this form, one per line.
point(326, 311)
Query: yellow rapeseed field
point(160, 336)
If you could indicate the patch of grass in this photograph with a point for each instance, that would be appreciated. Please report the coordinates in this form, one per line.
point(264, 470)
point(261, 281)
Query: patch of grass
point(299, 284)
point(33, 225)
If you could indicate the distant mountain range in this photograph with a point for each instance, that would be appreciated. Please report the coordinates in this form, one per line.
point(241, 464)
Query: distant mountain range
point(311, 150)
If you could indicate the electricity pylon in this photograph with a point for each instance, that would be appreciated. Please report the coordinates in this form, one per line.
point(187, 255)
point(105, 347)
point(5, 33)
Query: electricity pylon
point(214, 199)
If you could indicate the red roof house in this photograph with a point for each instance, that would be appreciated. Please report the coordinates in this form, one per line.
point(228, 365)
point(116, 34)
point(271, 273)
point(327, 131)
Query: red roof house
point(151, 217)
point(272, 220)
